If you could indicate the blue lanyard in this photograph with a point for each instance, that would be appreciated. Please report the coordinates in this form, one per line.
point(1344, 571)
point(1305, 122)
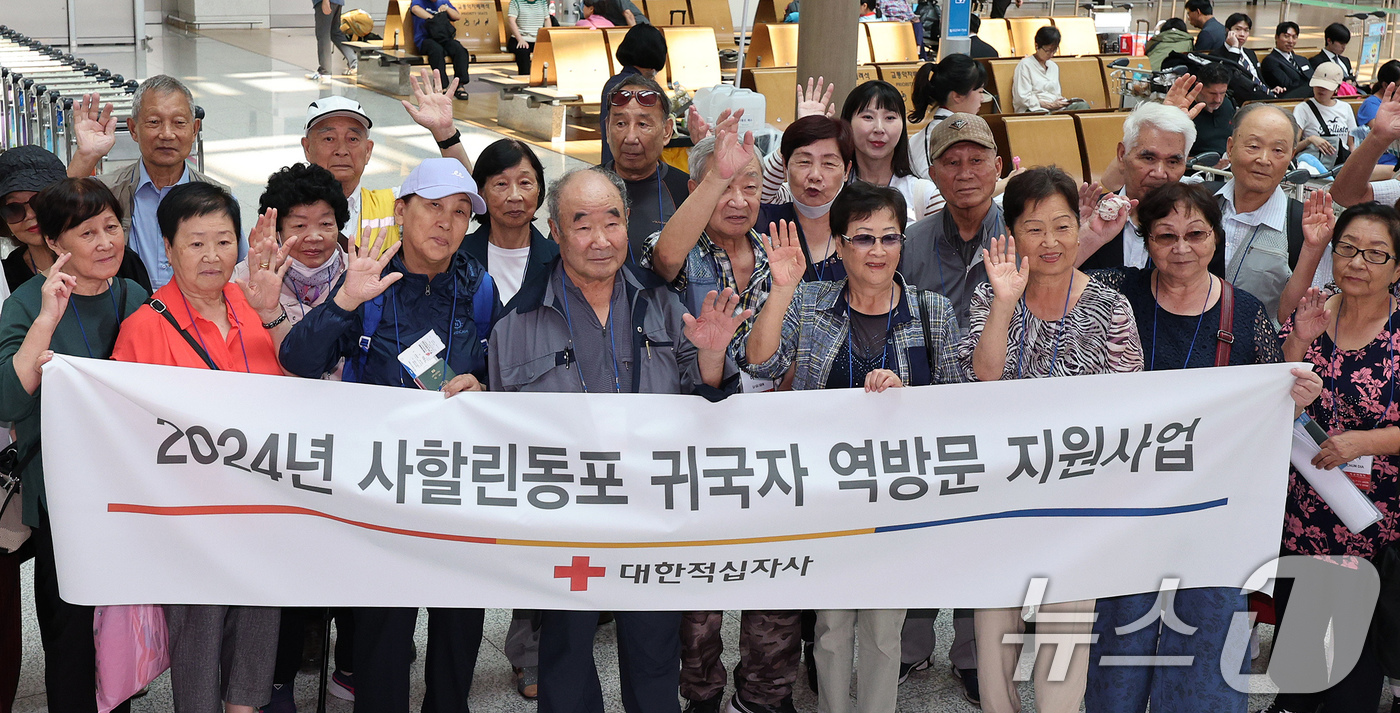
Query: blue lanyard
point(569, 351)
point(1247, 246)
point(1336, 367)
point(451, 322)
point(850, 342)
point(1059, 330)
point(111, 291)
point(200, 335)
point(1152, 362)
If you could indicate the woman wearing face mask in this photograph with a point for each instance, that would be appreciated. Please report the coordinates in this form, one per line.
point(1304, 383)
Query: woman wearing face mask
point(816, 152)
point(24, 171)
point(951, 86)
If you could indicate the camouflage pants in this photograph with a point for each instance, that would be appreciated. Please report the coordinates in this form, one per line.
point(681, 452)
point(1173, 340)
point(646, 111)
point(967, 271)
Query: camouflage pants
point(770, 648)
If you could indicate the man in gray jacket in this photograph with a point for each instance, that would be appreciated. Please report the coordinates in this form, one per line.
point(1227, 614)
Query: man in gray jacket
point(600, 325)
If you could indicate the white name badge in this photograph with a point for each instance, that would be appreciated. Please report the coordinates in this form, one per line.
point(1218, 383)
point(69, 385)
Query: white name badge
point(422, 354)
point(752, 385)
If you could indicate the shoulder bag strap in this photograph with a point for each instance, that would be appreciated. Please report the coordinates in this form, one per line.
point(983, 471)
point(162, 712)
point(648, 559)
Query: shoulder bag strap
point(160, 309)
point(1225, 338)
point(1326, 130)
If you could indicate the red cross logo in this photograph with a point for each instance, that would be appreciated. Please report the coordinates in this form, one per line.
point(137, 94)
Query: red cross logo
point(578, 574)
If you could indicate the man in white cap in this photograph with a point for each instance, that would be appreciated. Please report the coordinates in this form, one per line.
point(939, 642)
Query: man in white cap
point(337, 139)
point(422, 288)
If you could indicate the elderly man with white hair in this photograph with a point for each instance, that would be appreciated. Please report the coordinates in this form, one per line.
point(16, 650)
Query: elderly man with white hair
point(1157, 138)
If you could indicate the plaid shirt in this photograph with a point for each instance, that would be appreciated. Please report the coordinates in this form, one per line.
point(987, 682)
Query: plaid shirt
point(708, 267)
point(816, 325)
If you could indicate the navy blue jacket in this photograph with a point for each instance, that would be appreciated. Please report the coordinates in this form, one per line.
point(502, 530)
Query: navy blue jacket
point(409, 308)
point(543, 252)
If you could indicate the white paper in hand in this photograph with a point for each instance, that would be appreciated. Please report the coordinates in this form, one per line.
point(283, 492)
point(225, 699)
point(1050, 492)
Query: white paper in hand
point(1355, 510)
point(422, 354)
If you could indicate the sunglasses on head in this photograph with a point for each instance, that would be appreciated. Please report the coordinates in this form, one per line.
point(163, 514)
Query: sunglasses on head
point(644, 97)
point(865, 241)
point(14, 211)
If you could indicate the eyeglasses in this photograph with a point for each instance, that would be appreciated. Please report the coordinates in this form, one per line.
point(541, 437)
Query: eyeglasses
point(644, 97)
point(865, 242)
point(14, 212)
point(1194, 237)
point(1347, 251)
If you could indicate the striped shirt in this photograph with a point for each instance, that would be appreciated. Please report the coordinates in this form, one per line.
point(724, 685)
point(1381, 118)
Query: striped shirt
point(530, 16)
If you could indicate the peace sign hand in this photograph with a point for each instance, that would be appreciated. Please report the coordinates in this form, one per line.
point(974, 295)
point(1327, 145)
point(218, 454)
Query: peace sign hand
point(1007, 279)
point(364, 274)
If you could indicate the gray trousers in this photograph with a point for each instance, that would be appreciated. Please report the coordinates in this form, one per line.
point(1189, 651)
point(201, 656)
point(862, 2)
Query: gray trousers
point(327, 35)
point(877, 677)
point(221, 654)
point(918, 639)
point(522, 647)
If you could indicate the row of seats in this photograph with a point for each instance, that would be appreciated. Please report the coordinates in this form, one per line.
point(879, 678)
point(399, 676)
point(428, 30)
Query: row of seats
point(778, 85)
point(1015, 36)
point(775, 45)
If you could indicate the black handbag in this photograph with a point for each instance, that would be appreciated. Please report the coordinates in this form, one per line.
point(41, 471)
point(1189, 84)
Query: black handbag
point(440, 28)
point(12, 467)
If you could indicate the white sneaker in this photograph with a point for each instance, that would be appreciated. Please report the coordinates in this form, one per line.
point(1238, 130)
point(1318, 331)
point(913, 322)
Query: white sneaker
point(317, 77)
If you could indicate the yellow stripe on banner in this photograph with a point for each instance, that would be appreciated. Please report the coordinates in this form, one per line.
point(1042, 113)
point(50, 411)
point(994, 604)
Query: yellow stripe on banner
point(686, 543)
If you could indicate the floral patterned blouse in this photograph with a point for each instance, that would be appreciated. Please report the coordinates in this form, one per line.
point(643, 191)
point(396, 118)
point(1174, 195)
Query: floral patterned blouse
point(1357, 394)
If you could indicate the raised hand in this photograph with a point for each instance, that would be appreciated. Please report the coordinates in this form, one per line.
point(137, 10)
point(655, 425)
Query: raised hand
point(94, 127)
point(731, 155)
point(814, 102)
point(1089, 194)
point(432, 105)
point(1183, 93)
point(877, 380)
point(57, 289)
point(1386, 124)
point(1008, 280)
point(1097, 231)
point(786, 263)
point(714, 328)
point(364, 278)
point(267, 267)
point(1312, 316)
point(1318, 219)
point(699, 128)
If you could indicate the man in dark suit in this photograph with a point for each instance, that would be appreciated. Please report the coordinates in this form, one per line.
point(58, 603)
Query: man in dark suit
point(1335, 39)
point(980, 48)
point(1201, 15)
point(1284, 68)
point(1247, 84)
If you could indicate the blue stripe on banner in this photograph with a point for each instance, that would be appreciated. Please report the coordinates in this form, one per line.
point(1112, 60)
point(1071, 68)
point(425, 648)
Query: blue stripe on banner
point(1062, 512)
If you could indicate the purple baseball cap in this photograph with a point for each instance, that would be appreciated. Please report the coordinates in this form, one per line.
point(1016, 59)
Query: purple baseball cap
point(441, 177)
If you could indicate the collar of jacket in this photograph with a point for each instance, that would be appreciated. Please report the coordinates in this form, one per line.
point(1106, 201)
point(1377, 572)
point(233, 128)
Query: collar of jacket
point(463, 275)
point(476, 245)
point(132, 175)
point(832, 298)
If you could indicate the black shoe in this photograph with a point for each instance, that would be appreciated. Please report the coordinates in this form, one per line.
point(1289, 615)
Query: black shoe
point(970, 691)
point(606, 618)
point(907, 668)
point(462, 94)
point(708, 705)
point(807, 648)
point(739, 705)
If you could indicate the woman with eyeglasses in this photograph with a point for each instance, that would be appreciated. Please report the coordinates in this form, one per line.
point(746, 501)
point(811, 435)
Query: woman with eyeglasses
point(1350, 338)
point(1041, 318)
point(24, 171)
point(863, 331)
point(1180, 310)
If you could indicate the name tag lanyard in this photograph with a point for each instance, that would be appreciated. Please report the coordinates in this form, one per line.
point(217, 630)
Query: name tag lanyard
point(571, 355)
point(199, 334)
point(1059, 330)
point(451, 320)
point(1152, 362)
point(850, 341)
point(111, 290)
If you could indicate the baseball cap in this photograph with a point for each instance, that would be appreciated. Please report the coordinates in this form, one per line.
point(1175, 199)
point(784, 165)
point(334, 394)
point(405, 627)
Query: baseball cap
point(1328, 76)
point(441, 177)
point(327, 107)
point(29, 168)
point(956, 129)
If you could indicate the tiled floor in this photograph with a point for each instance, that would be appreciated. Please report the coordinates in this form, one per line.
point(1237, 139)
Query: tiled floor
point(251, 86)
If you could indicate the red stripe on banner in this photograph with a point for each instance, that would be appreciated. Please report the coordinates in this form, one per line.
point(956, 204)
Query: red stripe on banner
point(189, 510)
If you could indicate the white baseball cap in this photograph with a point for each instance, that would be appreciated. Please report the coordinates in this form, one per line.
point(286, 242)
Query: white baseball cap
point(327, 107)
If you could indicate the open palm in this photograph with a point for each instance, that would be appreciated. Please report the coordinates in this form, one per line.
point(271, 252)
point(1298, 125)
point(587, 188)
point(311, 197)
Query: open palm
point(94, 127)
point(786, 262)
point(432, 105)
point(1312, 317)
point(1318, 219)
point(364, 274)
point(1008, 279)
point(713, 329)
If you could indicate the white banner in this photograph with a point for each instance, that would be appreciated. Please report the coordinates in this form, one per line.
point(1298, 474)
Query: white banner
point(190, 486)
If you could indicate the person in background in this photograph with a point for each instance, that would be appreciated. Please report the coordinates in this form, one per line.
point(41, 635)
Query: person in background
point(1171, 37)
point(602, 13)
point(163, 124)
point(220, 656)
point(24, 171)
point(875, 110)
point(980, 49)
point(524, 18)
point(864, 331)
point(899, 11)
point(1386, 76)
point(515, 253)
point(639, 127)
point(1327, 124)
point(1065, 325)
point(1283, 69)
point(1217, 116)
point(869, 10)
point(329, 36)
point(1335, 39)
point(1175, 302)
point(386, 301)
point(1035, 85)
point(642, 51)
point(956, 84)
point(999, 7)
point(1353, 184)
point(438, 50)
point(1251, 83)
point(593, 279)
point(76, 310)
point(1211, 34)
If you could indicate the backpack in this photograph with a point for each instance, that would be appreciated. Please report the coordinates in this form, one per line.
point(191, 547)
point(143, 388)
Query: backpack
point(1295, 224)
point(483, 310)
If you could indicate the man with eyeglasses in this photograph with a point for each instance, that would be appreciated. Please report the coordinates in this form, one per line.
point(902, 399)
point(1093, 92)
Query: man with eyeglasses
point(639, 127)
